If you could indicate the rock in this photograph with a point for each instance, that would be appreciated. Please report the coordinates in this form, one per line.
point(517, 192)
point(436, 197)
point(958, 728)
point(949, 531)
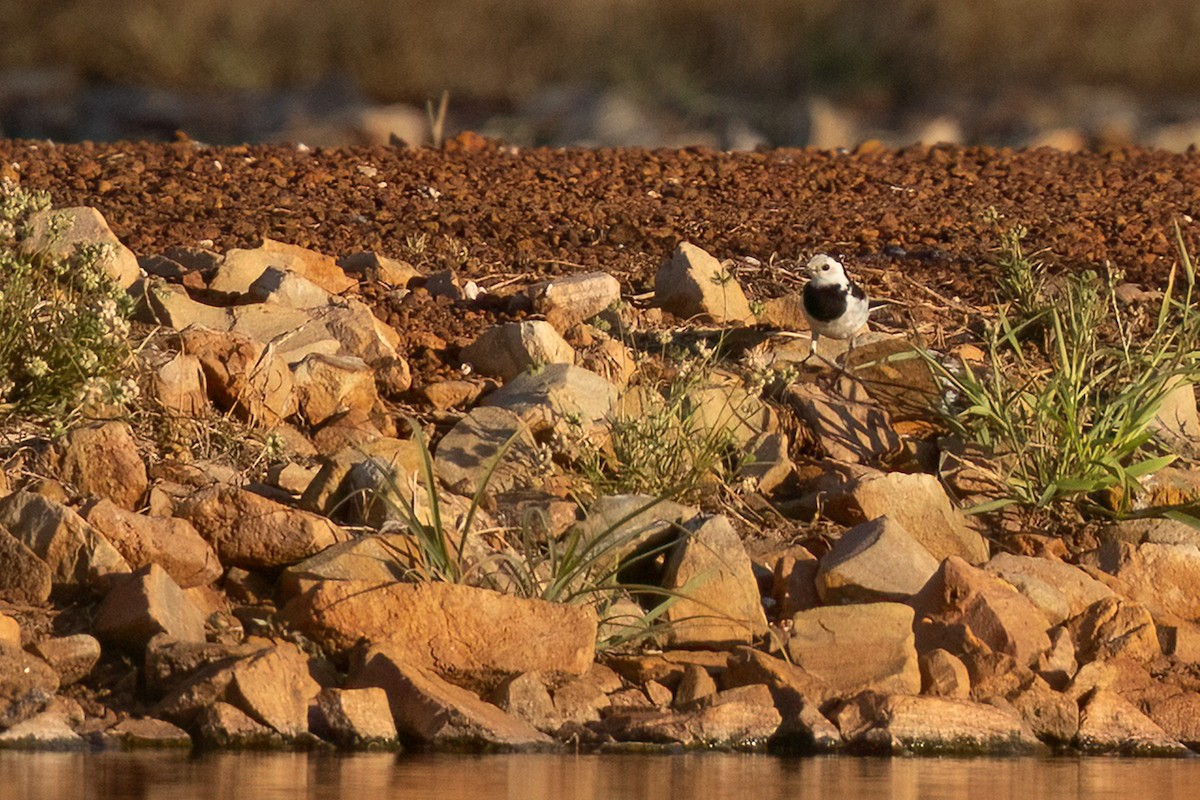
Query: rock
point(851, 648)
point(24, 578)
point(286, 288)
point(74, 552)
point(696, 684)
point(373, 558)
point(875, 561)
point(430, 711)
point(507, 350)
point(242, 375)
point(667, 667)
point(719, 603)
point(1059, 589)
point(632, 523)
point(274, 688)
point(170, 305)
point(10, 632)
point(572, 299)
point(557, 392)
point(1053, 717)
point(327, 386)
point(584, 699)
point(1058, 665)
point(1108, 723)
point(27, 685)
point(1177, 423)
point(102, 460)
point(444, 395)
point(179, 386)
point(694, 284)
point(170, 542)
point(241, 268)
point(992, 609)
point(60, 232)
point(328, 492)
point(171, 663)
point(1114, 627)
point(145, 733)
point(143, 605)
point(896, 377)
point(1175, 710)
point(742, 718)
point(1154, 530)
point(358, 718)
point(794, 582)
point(489, 440)
point(526, 696)
point(944, 675)
point(1162, 577)
point(46, 731)
point(222, 725)
point(72, 657)
point(374, 268)
point(728, 411)
point(769, 465)
point(248, 530)
point(897, 723)
point(849, 431)
point(475, 636)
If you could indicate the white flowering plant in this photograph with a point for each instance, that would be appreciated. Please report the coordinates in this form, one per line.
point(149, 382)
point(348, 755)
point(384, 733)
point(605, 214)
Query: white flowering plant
point(64, 324)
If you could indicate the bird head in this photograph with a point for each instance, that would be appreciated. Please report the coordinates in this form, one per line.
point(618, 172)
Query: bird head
point(823, 269)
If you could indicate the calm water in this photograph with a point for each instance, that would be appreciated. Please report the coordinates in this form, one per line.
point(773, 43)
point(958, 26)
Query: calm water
point(54, 776)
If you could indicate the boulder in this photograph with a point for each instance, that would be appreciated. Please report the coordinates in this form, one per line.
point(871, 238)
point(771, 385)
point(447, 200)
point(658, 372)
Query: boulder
point(1059, 589)
point(875, 561)
point(242, 267)
point(696, 684)
point(694, 284)
point(1108, 723)
point(728, 410)
point(328, 386)
point(274, 688)
point(719, 603)
point(143, 605)
point(170, 305)
point(490, 447)
point(49, 730)
point(27, 685)
point(60, 232)
point(859, 433)
point(357, 718)
point(224, 726)
point(571, 299)
point(944, 675)
point(898, 723)
point(1114, 627)
point(179, 386)
point(170, 542)
point(1162, 577)
point(506, 350)
point(242, 374)
point(251, 531)
point(741, 718)
point(561, 393)
point(474, 636)
point(286, 288)
point(429, 711)
point(72, 657)
point(75, 553)
point(1000, 616)
point(852, 648)
point(24, 578)
point(102, 460)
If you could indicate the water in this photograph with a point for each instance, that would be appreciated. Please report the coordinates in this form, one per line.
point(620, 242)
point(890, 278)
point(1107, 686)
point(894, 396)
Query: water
point(158, 776)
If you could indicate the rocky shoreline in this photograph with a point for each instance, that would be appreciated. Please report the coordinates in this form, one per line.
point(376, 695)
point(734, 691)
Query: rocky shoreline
point(154, 598)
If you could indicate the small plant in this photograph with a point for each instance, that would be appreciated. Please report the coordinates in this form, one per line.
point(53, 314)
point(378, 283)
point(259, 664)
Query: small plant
point(1070, 414)
point(63, 322)
point(1022, 276)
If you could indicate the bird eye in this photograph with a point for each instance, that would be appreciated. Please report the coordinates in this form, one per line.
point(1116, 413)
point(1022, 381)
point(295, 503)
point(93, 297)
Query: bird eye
point(824, 268)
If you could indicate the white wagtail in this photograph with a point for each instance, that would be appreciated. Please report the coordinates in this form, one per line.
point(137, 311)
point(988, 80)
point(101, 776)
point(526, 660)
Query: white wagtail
point(834, 305)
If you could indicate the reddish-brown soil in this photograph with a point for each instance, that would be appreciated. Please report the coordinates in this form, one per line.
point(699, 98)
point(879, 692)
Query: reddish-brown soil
point(913, 224)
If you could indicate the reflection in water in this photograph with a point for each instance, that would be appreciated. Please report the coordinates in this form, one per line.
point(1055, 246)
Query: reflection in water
point(251, 776)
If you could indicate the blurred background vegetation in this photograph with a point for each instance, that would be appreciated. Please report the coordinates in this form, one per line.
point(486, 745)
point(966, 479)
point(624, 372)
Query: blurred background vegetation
point(691, 54)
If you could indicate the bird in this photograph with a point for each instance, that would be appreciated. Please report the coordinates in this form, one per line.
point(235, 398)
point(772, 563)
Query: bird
point(834, 305)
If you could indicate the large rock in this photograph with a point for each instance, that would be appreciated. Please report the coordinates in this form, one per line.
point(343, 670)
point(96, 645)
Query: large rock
point(49, 730)
point(242, 267)
point(719, 603)
point(727, 410)
point(489, 446)
point(742, 718)
point(875, 561)
point(27, 684)
point(144, 605)
point(694, 284)
point(429, 711)
point(1114, 627)
point(243, 374)
point(179, 386)
point(1162, 577)
point(1175, 710)
point(328, 386)
point(896, 723)
point(1108, 723)
point(572, 299)
point(330, 493)
point(357, 718)
point(72, 657)
point(222, 725)
point(170, 542)
point(251, 531)
point(1003, 618)
point(286, 288)
point(1059, 589)
point(374, 558)
point(895, 375)
point(557, 392)
point(274, 687)
point(850, 431)
point(102, 460)
point(919, 503)
point(507, 350)
point(24, 578)
point(473, 636)
point(60, 232)
point(852, 648)
point(75, 553)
